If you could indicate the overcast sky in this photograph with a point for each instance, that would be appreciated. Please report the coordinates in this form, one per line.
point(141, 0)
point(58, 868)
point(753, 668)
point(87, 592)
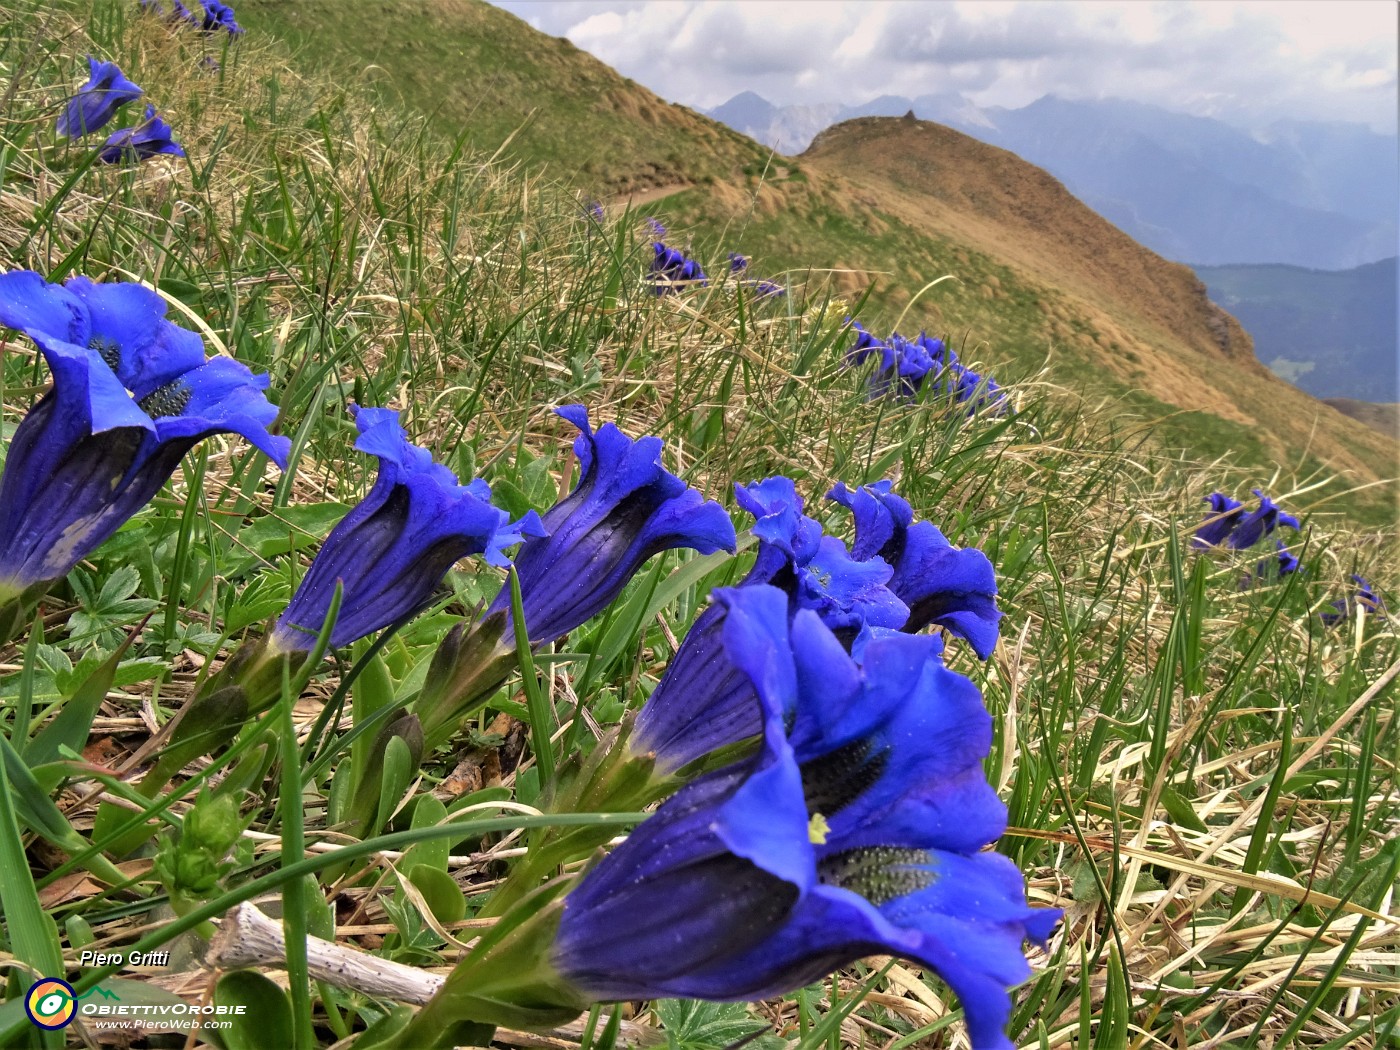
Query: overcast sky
point(1246, 62)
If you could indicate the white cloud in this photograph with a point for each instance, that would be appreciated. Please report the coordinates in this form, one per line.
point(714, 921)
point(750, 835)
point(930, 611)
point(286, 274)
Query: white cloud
point(1250, 61)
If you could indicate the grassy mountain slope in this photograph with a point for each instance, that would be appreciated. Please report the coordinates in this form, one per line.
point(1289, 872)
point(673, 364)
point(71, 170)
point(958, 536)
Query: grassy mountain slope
point(472, 67)
point(1039, 276)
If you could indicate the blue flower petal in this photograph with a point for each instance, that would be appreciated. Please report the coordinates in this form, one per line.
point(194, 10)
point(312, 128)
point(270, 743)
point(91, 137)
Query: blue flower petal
point(132, 394)
point(952, 587)
point(30, 304)
point(97, 100)
point(220, 396)
point(129, 330)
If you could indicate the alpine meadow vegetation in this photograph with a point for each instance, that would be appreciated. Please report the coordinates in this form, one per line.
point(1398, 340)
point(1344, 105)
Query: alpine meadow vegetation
point(435, 610)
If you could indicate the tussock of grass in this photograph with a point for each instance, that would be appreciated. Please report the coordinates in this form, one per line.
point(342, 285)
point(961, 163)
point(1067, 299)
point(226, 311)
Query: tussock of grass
point(1202, 775)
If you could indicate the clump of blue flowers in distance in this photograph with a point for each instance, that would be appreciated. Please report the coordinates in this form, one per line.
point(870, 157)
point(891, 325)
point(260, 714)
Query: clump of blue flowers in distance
point(150, 138)
point(762, 289)
point(132, 393)
point(107, 89)
point(1287, 561)
point(672, 269)
point(1365, 599)
point(1226, 523)
point(906, 365)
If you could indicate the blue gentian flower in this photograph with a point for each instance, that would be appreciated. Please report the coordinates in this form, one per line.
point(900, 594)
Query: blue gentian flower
point(219, 16)
point(654, 225)
point(1287, 560)
point(704, 702)
point(865, 345)
point(132, 394)
point(1365, 598)
point(390, 552)
point(1254, 526)
point(737, 263)
point(625, 508)
point(97, 101)
point(954, 588)
point(594, 210)
point(671, 269)
point(1224, 514)
point(972, 389)
point(180, 13)
point(767, 290)
point(150, 138)
point(905, 364)
point(857, 829)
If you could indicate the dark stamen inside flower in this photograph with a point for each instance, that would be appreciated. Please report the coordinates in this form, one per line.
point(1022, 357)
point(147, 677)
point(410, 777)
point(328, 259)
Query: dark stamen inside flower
point(167, 400)
point(880, 874)
point(108, 349)
point(836, 779)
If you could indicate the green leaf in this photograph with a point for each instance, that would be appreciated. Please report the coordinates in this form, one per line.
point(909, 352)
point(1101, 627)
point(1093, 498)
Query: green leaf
point(429, 811)
point(74, 722)
point(1180, 810)
point(694, 1025)
point(442, 895)
point(267, 1015)
point(291, 528)
point(32, 933)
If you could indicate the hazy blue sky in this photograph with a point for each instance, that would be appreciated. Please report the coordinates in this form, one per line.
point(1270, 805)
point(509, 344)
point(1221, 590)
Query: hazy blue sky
point(1248, 62)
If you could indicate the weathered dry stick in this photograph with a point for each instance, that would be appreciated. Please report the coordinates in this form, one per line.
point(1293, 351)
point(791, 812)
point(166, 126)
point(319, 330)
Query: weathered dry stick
point(247, 937)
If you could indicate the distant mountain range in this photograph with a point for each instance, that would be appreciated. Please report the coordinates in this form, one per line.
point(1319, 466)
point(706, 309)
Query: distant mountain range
point(1331, 333)
point(1194, 189)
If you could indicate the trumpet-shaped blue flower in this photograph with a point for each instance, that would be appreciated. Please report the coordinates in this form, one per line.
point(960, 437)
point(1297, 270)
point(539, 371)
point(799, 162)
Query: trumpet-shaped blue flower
point(954, 588)
point(97, 101)
point(1224, 514)
point(219, 16)
point(767, 290)
point(738, 263)
point(672, 269)
point(180, 13)
point(856, 830)
point(391, 551)
point(625, 508)
point(132, 393)
point(1287, 561)
point(1365, 598)
point(148, 139)
point(866, 344)
point(1259, 523)
point(703, 701)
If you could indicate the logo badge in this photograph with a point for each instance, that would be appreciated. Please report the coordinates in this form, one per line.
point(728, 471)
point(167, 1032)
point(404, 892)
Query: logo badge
point(51, 1003)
